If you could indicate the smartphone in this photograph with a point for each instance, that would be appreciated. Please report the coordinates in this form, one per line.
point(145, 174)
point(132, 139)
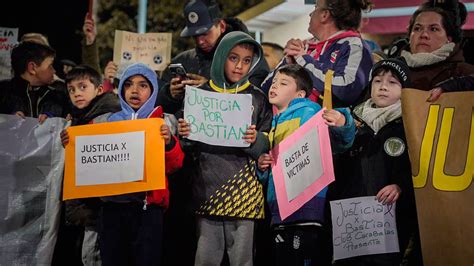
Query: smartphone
point(178, 70)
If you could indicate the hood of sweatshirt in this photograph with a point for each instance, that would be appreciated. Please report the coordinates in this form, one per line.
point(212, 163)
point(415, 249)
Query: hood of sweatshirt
point(218, 80)
point(128, 113)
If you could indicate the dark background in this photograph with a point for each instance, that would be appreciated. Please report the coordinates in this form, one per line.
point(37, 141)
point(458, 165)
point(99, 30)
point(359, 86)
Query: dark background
point(60, 21)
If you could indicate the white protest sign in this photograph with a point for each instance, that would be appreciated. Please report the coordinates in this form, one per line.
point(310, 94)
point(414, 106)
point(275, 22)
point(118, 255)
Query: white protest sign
point(152, 49)
point(302, 164)
point(218, 118)
point(363, 226)
point(110, 158)
point(8, 40)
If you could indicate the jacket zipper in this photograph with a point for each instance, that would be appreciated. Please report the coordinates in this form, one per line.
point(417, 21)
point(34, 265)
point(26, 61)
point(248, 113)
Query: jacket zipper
point(277, 117)
point(145, 203)
point(29, 99)
point(39, 101)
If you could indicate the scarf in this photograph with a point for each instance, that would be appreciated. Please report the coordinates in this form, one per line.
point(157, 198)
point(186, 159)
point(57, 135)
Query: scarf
point(426, 59)
point(105, 103)
point(377, 118)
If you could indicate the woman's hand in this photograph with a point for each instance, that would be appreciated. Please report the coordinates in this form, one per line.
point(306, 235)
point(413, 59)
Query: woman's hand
point(435, 94)
point(294, 48)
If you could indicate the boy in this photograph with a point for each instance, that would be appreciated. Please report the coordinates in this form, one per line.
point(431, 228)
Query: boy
point(130, 225)
point(226, 188)
point(88, 101)
point(377, 164)
point(29, 92)
point(289, 93)
point(130, 230)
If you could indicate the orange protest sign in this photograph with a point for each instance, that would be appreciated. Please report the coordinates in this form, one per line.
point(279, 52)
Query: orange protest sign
point(114, 158)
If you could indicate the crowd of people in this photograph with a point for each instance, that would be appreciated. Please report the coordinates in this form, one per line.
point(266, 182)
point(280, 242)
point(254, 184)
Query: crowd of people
point(190, 221)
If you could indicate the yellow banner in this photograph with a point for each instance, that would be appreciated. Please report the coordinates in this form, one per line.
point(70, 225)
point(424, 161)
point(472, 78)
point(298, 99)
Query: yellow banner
point(440, 138)
point(154, 161)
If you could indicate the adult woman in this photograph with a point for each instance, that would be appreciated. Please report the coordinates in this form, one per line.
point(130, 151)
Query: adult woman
point(336, 46)
point(434, 54)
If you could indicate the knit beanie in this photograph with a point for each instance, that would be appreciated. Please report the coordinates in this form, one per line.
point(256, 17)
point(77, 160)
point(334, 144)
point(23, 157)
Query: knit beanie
point(397, 66)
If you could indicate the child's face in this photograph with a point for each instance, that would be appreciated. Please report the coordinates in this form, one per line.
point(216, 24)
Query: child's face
point(44, 73)
point(82, 92)
point(137, 90)
point(238, 63)
point(386, 89)
point(283, 91)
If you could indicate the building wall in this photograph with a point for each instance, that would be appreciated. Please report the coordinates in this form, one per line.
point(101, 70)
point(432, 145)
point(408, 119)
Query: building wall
point(297, 28)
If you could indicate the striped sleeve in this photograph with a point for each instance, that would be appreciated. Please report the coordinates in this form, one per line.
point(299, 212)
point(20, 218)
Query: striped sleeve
point(351, 70)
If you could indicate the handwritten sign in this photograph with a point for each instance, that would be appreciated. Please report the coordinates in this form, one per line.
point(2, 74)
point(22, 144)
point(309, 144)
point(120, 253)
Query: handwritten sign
point(217, 118)
point(8, 40)
point(152, 49)
point(363, 226)
point(99, 158)
point(303, 165)
point(110, 158)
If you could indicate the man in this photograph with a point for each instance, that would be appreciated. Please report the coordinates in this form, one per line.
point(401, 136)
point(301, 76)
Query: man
point(205, 24)
point(273, 54)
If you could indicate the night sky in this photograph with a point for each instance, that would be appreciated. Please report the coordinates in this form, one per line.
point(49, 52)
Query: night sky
point(60, 21)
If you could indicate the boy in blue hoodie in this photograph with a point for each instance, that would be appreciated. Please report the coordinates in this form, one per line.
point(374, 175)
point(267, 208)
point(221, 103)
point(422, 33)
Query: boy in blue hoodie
point(226, 189)
point(297, 238)
point(130, 226)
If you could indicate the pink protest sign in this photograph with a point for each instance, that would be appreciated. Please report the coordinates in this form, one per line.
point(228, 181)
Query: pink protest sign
point(302, 165)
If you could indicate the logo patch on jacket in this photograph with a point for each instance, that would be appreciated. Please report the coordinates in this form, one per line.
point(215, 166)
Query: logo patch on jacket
point(394, 146)
point(334, 56)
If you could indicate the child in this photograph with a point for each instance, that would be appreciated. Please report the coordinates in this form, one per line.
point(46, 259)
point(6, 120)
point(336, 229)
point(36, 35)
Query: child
point(226, 188)
point(130, 225)
point(89, 101)
point(297, 237)
point(29, 93)
point(378, 164)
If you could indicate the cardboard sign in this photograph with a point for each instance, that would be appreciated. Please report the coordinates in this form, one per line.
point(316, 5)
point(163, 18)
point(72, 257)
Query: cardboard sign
point(218, 118)
point(440, 138)
point(100, 158)
point(302, 165)
point(363, 226)
point(8, 40)
point(152, 49)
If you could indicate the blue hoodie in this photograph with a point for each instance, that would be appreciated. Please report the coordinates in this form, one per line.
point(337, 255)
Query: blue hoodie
point(146, 109)
point(284, 124)
point(128, 113)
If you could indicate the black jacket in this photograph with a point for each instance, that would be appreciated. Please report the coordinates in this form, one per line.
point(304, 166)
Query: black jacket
point(373, 162)
point(84, 212)
point(33, 101)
